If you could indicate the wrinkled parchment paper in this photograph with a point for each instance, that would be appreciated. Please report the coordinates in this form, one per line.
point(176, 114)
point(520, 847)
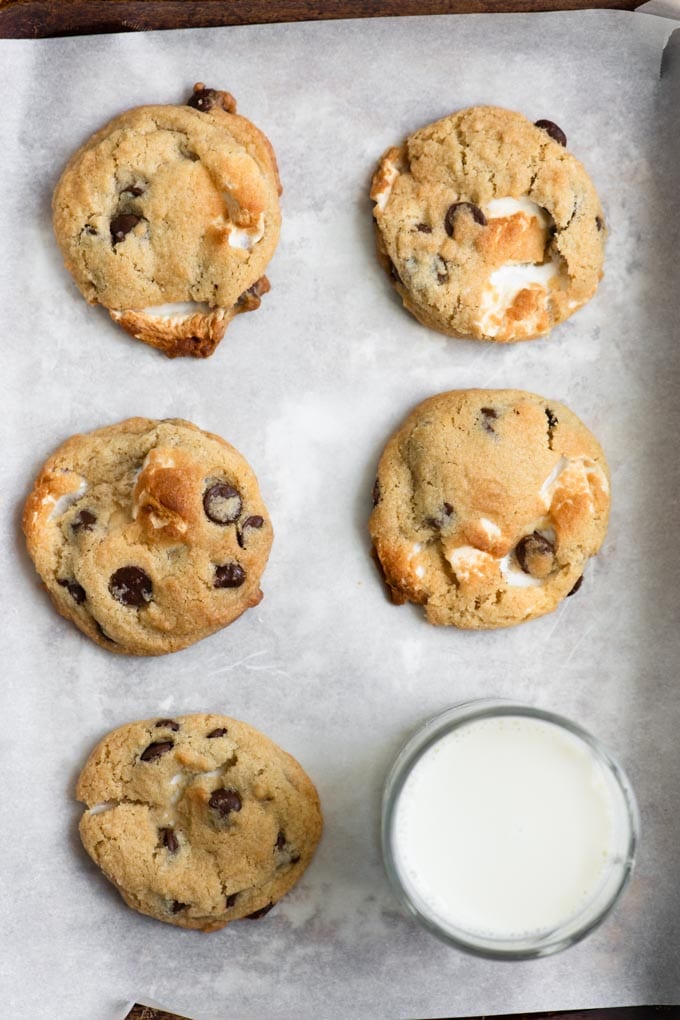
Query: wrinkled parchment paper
point(308, 388)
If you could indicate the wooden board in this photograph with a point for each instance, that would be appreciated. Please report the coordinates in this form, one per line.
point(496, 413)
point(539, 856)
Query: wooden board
point(617, 1013)
point(39, 18)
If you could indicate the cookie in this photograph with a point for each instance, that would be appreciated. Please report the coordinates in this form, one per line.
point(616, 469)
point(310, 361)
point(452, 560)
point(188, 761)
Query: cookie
point(487, 507)
point(168, 217)
point(149, 535)
point(198, 820)
point(487, 226)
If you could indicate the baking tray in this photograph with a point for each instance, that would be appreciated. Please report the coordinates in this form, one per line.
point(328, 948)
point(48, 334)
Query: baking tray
point(39, 18)
point(309, 388)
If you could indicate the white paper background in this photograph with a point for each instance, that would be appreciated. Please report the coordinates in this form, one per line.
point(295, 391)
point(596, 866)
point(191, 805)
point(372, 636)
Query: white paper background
point(309, 388)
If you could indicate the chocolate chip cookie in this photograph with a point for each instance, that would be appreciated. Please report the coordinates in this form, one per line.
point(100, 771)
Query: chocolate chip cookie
point(198, 820)
point(487, 226)
point(168, 217)
point(487, 507)
point(149, 535)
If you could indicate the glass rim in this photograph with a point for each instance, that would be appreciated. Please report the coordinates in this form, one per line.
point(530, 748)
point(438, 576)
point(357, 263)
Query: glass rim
point(574, 928)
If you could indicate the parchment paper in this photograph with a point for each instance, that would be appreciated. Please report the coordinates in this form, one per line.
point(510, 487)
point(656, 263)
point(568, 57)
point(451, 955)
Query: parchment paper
point(309, 388)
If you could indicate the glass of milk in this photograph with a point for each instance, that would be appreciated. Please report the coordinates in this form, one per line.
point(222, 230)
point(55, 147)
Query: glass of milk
point(508, 831)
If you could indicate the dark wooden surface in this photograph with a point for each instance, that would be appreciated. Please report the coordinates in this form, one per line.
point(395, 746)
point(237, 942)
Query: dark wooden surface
point(37, 18)
point(621, 1013)
point(148, 1013)
point(610, 1013)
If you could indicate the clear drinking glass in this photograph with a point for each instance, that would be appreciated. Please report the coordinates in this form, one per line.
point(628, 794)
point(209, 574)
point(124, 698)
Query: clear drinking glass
point(625, 834)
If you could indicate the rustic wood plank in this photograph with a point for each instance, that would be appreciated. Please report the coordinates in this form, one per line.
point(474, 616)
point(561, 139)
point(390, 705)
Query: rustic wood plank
point(609, 1013)
point(606, 1013)
point(149, 1013)
point(40, 18)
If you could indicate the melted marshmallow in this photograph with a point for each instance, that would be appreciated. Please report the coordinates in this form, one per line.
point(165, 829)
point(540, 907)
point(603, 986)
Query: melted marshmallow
point(491, 530)
point(246, 239)
point(381, 197)
point(467, 560)
point(513, 574)
point(505, 284)
point(177, 310)
point(546, 490)
point(583, 470)
point(62, 504)
point(499, 208)
point(510, 280)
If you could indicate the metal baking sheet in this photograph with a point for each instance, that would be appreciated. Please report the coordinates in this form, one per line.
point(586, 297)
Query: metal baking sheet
point(308, 388)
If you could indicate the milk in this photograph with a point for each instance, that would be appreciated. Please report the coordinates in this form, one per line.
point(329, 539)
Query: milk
point(509, 826)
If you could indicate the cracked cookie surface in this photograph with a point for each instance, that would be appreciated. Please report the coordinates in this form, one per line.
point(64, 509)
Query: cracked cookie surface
point(149, 535)
point(168, 217)
point(487, 226)
point(487, 507)
point(197, 820)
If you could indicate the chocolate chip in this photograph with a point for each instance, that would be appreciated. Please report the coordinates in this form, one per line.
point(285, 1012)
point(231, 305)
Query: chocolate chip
point(442, 269)
point(177, 906)
point(169, 840)
point(259, 913)
point(280, 841)
point(423, 228)
point(553, 422)
point(231, 900)
point(83, 521)
point(204, 99)
point(155, 750)
point(442, 518)
point(131, 586)
point(89, 229)
point(457, 207)
point(230, 575)
point(376, 492)
point(75, 590)
point(576, 586)
point(295, 858)
point(555, 132)
point(222, 503)
point(393, 273)
point(134, 190)
point(225, 801)
point(489, 415)
point(122, 225)
point(167, 724)
point(535, 554)
point(255, 521)
point(219, 732)
point(599, 223)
